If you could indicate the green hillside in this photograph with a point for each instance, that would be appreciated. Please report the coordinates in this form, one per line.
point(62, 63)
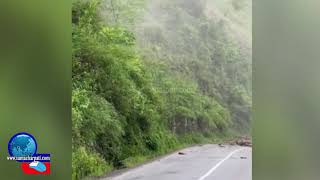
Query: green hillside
point(151, 76)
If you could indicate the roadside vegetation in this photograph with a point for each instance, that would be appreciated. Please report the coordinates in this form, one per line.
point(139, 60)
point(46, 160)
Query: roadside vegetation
point(153, 76)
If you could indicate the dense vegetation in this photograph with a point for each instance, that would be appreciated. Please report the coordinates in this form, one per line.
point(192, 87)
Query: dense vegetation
point(150, 76)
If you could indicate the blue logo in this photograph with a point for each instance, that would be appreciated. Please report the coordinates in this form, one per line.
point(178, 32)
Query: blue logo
point(22, 145)
point(22, 148)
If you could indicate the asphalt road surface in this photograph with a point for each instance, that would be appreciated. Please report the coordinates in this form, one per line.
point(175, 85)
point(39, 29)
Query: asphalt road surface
point(208, 162)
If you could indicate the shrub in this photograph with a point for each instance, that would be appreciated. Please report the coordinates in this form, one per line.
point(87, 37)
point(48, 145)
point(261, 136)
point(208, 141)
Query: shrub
point(88, 164)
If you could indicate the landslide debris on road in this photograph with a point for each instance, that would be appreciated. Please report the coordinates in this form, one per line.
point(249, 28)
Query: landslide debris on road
point(242, 141)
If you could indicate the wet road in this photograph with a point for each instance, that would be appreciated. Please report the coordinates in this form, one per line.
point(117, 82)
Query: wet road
point(208, 162)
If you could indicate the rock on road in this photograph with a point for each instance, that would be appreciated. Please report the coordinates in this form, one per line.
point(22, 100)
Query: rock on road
point(208, 162)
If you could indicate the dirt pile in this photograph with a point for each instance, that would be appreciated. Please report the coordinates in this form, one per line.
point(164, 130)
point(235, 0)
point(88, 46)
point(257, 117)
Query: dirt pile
point(242, 141)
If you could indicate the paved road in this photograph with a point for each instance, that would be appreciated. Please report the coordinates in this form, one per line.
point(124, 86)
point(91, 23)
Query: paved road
point(208, 162)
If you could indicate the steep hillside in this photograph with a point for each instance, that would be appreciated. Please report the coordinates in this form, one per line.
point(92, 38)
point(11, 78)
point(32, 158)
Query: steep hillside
point(209, 42)
point(152, 76)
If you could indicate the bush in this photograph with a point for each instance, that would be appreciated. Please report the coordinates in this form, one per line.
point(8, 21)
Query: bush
point(88, 164)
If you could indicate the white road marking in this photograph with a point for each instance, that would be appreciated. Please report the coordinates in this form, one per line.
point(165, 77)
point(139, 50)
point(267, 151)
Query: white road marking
point(219, 163)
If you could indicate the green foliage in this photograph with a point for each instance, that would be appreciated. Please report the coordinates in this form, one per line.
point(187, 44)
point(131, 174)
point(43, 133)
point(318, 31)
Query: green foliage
point(133, 161)
point(134, 98)
point(125, 12)
point(85, 164)
point(187, 109)
point(205, 49)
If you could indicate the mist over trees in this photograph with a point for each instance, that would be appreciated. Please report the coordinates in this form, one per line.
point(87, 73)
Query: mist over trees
point(150, 76)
